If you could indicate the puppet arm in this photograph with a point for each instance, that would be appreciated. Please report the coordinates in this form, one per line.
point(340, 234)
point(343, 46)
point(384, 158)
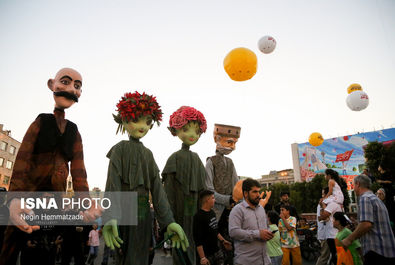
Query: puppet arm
point(110, 234)
point(161, 201)
point(179, 238)
point(20, 180)
point(113, 186)
point(77, 168)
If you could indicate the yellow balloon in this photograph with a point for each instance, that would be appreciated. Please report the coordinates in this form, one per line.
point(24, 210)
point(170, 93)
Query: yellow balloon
point(353, 87)
point(316, 139)
point(240, 64)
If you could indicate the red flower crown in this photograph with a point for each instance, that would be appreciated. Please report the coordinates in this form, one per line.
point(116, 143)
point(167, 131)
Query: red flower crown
point(184, 115)
point(133, 106)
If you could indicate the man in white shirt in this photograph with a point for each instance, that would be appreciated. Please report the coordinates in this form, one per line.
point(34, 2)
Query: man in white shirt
point(321, 235)
point(326, 215)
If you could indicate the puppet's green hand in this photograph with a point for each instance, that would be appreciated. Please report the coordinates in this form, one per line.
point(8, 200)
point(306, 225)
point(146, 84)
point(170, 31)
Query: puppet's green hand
point(110, 234)
point(179, 238)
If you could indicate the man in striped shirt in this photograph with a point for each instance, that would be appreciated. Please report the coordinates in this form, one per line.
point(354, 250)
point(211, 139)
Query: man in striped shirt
point(374, 229)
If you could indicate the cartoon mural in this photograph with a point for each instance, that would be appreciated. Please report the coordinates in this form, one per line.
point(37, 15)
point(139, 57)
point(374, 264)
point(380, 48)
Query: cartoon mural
point(344, 154)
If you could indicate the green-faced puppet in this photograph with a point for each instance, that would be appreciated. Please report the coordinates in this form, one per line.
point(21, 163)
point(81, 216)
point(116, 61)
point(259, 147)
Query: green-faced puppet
point(184, 172)
point(132, 168)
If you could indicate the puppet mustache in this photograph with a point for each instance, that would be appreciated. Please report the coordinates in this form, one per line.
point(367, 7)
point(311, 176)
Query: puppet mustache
point(66, 95)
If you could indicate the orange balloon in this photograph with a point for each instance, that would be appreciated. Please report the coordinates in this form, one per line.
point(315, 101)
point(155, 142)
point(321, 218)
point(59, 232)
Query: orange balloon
point(240, 64)
point(316, 139)
point(353, 87)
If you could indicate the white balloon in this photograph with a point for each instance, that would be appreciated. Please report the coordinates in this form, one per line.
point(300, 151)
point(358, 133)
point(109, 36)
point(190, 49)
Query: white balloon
point(267, 44)
point(357, 100)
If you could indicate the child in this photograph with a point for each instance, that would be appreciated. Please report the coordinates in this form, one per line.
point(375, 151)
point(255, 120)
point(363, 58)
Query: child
point(289, 239)
point(340, 222)
point(274, 245)
point(335, 193)
point(94, 244)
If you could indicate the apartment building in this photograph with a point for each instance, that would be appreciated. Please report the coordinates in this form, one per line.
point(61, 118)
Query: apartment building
point(8, 149)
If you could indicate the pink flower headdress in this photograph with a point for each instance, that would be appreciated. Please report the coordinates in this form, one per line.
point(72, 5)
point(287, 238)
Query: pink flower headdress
point(184, 115)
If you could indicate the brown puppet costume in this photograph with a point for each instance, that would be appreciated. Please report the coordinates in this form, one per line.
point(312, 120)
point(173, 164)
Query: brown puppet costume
point(42, 163)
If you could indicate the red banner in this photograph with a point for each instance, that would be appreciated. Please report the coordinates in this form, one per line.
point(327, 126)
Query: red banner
point(344, 157)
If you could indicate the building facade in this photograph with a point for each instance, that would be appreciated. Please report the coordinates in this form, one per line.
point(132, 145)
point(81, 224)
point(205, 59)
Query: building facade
point(9, 147)
point(283, 176)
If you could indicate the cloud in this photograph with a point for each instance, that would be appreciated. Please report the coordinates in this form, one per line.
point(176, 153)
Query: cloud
point(358, 141)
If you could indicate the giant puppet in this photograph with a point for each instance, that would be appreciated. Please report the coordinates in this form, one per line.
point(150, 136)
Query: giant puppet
point(221, 174)
point(42, 162)
point(221, 177)
point(184, 172)
point(132, 168)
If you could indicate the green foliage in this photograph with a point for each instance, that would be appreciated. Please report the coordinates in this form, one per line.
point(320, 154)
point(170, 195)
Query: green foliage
point(388, 159)
point(377, 154)
point(373, 154)
point(305, 195)
point(375, 186)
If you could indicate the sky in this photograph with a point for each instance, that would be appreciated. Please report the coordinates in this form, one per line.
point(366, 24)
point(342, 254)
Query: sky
point(174, 50)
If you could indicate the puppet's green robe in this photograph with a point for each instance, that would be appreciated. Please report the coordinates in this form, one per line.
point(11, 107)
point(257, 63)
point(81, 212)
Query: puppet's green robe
point(132, 168)
point(183, 177)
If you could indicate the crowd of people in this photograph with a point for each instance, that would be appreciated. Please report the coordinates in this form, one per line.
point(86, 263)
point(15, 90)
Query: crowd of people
point(270, 236)
point(63, 245)
point(373, 237)
point(259, 235)
point(223, 229)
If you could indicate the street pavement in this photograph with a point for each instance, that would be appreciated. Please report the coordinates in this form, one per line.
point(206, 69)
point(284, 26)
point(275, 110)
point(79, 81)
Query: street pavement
point(159, 259)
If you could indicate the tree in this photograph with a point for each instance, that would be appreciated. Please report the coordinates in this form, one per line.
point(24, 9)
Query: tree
point(373, 155)
point(388, 159)
point(305, 195)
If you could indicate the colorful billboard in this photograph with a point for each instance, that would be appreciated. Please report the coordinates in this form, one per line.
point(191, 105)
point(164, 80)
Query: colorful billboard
point(344, 154)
